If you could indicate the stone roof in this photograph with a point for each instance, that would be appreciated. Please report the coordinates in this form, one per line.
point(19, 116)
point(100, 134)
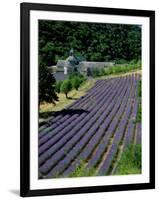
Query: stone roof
point(61, 63)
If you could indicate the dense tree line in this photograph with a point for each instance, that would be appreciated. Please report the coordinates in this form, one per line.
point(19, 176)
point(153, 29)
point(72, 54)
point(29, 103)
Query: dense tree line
point(92, 41)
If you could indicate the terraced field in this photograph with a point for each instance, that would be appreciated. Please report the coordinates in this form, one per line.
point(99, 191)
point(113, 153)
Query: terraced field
point(95, 129)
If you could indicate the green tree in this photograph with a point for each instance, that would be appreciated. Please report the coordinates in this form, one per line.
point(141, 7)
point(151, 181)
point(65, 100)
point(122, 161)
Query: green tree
point(76, 82)
point(95, 72)
point(66, 87)
point(46, 85)
point(93, 41)
point(58, 86)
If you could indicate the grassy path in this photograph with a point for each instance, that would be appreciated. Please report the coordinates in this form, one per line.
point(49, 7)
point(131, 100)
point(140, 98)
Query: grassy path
point(47, 108)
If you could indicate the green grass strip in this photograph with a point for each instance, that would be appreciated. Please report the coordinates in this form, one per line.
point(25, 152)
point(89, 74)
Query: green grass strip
point(130, 162)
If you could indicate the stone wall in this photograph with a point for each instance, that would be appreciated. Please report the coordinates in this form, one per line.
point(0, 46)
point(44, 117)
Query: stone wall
point(85, 64)
point(82, 67)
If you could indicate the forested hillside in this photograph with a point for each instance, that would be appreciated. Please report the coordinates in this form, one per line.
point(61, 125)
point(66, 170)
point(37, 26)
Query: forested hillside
point(91, 41)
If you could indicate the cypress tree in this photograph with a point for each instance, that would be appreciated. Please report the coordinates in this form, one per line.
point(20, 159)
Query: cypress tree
point(46, 85)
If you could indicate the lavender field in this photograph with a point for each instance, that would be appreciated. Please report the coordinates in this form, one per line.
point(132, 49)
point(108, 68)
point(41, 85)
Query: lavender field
point(95, 130)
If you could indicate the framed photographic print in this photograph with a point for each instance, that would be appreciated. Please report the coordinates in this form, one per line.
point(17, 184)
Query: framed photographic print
point(87, 99)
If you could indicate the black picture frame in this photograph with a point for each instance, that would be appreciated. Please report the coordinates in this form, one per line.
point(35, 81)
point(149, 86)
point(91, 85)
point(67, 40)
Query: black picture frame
point(25, 9)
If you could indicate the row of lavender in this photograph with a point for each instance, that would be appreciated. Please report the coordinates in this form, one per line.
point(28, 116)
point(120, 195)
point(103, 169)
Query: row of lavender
point(92, 129)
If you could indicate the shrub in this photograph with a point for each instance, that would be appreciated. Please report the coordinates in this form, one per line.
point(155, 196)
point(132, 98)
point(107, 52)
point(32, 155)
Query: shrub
point(101, 72)
point(121, 61)
point(139, 112)
point(74, 74)
point(76, 81)
point(118, 68)
point(95, 72)
point(58, 86)
point(139, 89)
point(66, 87)
point(81, 78)
point(108, 70)
point(138, 64)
